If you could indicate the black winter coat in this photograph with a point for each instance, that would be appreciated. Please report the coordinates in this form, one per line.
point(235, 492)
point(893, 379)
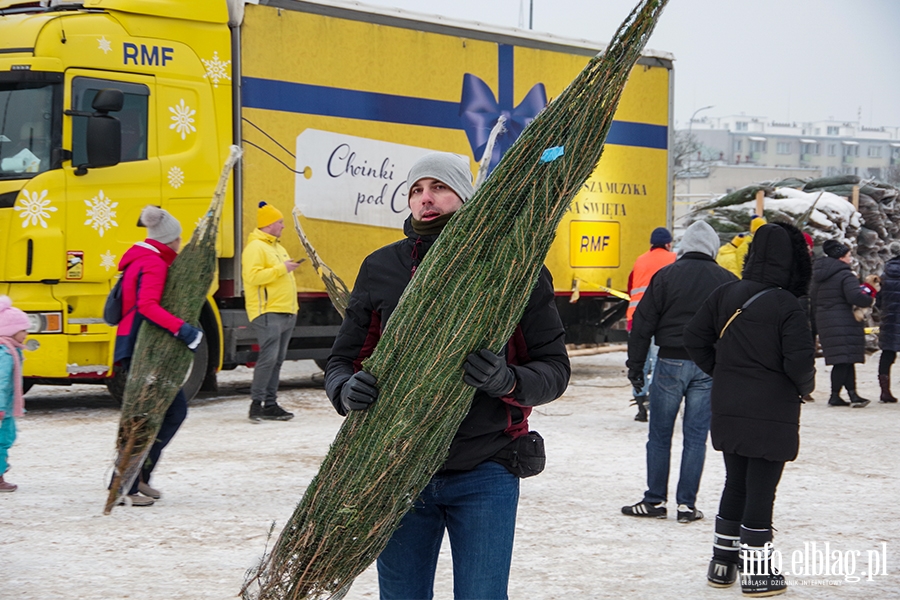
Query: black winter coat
point(764, 361)
point(672, 298)
point(889, 305)
point(835, 291)
point(536, 353)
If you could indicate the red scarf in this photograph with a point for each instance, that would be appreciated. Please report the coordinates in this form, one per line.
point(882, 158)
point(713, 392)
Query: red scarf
point(14, 347)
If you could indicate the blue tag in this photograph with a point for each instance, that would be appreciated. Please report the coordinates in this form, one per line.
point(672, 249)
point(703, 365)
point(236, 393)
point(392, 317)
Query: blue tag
point(551, 154)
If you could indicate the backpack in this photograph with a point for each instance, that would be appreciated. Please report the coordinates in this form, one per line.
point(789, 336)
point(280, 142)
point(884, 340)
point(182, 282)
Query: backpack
point(112, 310)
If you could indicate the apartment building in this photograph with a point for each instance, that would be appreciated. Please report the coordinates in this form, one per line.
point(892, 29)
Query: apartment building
point(833, 147)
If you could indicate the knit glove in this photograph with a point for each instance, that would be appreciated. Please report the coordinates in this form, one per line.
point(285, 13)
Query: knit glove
point(190, 335)
point(359, 392)
point(489, 373)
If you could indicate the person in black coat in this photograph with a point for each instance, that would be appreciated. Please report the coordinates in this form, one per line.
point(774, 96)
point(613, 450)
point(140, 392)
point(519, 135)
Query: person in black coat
point(835, 291)
point(888, 303)
point(753, 337)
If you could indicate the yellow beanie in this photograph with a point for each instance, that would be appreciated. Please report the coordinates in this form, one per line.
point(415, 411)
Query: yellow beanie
point(267, 214)
point(757, 222)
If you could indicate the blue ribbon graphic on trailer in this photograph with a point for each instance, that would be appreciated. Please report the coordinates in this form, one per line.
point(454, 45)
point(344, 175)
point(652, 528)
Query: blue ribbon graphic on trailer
point(479, 111)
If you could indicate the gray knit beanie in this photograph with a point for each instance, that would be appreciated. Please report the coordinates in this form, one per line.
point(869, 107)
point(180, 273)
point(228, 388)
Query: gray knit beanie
point(446, 168)
point(700, 237)
point(161, 226)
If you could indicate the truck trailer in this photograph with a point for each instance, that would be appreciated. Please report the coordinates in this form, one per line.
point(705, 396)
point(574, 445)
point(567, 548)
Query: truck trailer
point(331, 102)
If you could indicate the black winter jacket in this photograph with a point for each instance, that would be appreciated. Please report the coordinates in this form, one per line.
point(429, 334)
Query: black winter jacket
point(536, 352)
point(672, 298)
point(888, 302)
point(835, 291)
point(764, 361)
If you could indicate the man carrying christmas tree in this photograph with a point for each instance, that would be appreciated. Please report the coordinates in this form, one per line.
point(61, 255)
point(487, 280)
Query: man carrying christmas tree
point(475, 494)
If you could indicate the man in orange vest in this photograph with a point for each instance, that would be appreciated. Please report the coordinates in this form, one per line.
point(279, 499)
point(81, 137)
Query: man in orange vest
point(646, 265)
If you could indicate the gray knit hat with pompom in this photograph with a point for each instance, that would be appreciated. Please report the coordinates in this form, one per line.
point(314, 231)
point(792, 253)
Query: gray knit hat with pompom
point(161, 226)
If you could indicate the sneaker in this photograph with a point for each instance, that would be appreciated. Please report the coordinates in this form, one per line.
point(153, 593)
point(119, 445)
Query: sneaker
point(687, 514)
point(255, 412)
point(136, 500)
point(6, 486)
point(645, 509)
point(149, 491)
point(273, 412)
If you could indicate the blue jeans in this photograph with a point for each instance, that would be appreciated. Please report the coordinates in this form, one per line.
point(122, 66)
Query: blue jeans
point(676, 379)
point(649, 365)
point(478, 510)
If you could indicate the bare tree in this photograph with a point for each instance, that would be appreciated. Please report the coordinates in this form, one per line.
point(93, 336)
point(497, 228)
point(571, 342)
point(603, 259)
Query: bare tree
point(689, 155)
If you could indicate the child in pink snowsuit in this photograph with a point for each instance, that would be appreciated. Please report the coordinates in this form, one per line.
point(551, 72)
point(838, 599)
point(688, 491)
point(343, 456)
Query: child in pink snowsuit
point(13, 331)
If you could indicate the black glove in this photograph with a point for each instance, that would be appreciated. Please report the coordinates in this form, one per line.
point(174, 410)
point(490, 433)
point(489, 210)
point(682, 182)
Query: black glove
point(190, 335)
point(489, 373)
point(359, 392)
point(636, 377)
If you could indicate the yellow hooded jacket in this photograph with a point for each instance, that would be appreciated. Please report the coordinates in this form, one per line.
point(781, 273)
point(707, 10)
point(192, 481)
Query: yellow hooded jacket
point(268, 287)
point(731, 255)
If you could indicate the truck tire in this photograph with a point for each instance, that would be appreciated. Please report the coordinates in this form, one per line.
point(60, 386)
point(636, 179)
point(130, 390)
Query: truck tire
point(192, 382)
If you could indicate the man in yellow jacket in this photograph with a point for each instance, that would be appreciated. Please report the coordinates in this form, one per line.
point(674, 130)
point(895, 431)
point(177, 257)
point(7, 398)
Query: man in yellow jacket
point(270, 296)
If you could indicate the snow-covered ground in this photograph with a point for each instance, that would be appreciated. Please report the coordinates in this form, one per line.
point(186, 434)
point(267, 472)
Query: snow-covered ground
point(226, 480)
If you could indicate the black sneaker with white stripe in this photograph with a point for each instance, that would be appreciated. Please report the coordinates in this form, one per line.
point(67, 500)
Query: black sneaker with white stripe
point(645, 509)
point(686, 514)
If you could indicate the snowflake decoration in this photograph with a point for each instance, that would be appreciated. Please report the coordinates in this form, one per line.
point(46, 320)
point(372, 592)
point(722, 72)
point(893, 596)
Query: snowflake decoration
point(216, 69)
point(101, 214)
point(35, 208)
point(176, 177)
point(108, 260)
point(183, 117)
point(105, 44)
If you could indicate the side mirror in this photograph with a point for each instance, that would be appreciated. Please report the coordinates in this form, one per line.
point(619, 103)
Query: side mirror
point(103, 136)
point(104, 141)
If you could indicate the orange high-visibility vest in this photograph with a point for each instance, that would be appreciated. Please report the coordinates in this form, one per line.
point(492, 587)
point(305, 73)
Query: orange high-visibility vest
point(646, 265)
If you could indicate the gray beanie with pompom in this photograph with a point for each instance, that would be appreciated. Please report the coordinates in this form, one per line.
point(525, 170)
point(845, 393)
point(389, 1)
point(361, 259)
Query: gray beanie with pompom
point(161, 226)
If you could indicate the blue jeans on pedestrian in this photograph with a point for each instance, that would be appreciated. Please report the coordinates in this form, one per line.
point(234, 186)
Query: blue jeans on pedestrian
point(478, 510)
point(649, 365)
point(676, 379)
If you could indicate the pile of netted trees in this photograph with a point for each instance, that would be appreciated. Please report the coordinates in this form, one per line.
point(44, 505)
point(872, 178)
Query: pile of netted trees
point(862, 214)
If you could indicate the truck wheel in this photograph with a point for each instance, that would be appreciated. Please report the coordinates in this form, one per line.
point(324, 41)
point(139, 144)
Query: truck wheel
point(116, 386)
point(191, 385)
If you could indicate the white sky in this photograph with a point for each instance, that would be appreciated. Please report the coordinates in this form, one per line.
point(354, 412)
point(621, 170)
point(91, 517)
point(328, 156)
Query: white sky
point(787, 60)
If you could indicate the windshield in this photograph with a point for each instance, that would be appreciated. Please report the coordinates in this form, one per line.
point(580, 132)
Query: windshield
point(26, 132)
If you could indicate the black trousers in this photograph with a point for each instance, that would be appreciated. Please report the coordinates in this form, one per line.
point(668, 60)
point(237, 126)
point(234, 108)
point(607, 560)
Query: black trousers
point(884, 363)
point(843, 375)
point(171, 422)
point(749, 494)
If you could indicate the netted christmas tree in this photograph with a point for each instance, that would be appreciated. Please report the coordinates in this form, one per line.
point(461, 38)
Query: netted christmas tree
point(479, 273)
point(160, 362)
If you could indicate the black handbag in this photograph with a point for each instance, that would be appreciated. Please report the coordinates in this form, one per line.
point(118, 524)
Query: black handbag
point(524, 456)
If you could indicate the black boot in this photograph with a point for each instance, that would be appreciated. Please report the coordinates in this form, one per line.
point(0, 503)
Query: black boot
point(723, 567)
point(836, 399)
point(641, 402)
point(857, 401)
point(759, 578)
point(885, 382)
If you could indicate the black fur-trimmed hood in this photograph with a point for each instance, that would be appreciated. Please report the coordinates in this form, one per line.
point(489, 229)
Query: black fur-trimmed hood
point(779, 256)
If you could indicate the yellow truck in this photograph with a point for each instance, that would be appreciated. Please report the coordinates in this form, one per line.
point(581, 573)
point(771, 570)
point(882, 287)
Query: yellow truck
point(332, 102)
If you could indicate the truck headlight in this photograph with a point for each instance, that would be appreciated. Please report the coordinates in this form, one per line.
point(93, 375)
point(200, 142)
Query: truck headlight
point(45, 322)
